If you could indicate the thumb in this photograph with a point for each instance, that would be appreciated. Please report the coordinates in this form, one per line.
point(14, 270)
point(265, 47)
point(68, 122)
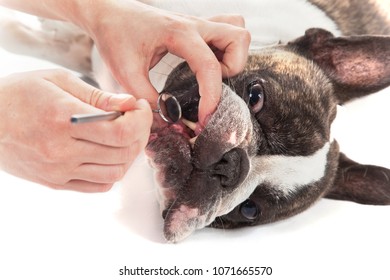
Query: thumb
point(108, 101)
point(141, 88)
point(115, 102)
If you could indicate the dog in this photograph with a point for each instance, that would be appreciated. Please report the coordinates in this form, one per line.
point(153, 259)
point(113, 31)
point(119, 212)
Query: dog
point(268, 152)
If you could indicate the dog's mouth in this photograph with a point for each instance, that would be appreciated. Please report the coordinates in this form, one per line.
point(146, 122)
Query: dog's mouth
point(199, 168)
point(188, 128)
point(170, 148)
point(183, 128)
point(169, 144)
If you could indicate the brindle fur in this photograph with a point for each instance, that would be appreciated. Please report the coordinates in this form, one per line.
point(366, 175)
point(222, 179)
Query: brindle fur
point(364, 184)
point(288, 70)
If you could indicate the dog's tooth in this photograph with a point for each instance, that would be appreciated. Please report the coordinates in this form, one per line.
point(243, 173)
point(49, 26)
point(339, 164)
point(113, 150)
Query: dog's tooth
point(189, 124)
point(192, 141)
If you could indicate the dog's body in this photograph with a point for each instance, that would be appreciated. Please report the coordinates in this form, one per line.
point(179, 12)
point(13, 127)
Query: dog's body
point(267, 153)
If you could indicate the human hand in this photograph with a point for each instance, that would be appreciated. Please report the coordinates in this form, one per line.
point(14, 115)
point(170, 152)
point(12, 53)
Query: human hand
point(132, 37)
point(38, 142)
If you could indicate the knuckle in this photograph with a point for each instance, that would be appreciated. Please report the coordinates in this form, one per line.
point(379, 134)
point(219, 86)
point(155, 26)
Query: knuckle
point(145, 121)
point(96, 97)
point(211, 64)
point(43, 151)
point(240, 20)
point(147, 115)
point(175, 29)
point(244, 36)
point(56, 187)
point(115, 173)
point(47, 152)
point(131, 152)
point(56, 179)
point(62, 74)
point(104, 188)
point(126, 155)
point(237, 20)
point(59, 186)
point(122, 134)
point(175, 25)
point(126, 133)
point(230, 18)
point(55, 155)
point(136, 148)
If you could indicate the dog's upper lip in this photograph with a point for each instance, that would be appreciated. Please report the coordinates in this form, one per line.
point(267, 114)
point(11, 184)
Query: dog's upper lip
point(185, 128)
point(190, 130)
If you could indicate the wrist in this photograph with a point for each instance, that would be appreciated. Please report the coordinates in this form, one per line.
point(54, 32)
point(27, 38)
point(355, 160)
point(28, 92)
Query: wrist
point(85, 13)
point(93, 16)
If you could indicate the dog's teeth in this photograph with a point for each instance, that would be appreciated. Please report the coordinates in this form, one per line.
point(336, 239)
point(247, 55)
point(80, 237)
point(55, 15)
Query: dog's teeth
point(188, 123)
point(192, 141)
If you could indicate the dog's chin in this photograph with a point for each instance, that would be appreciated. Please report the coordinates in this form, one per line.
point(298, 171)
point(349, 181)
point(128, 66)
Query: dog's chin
point(170, 151)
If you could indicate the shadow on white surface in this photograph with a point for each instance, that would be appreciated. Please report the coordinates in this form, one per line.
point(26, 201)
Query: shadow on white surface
point(140, 211)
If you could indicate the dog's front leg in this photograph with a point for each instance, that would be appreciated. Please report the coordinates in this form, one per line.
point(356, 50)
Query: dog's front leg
point(72, 51)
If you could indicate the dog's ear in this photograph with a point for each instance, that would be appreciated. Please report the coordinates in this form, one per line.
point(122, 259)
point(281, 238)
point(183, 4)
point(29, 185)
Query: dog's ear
point(357, 65)
point(366, 184)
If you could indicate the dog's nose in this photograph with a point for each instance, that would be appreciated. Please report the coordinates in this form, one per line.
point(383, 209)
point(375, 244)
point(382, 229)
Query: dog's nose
point(164, 213)
point(233, 168)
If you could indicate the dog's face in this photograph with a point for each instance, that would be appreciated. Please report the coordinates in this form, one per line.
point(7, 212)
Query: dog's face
point(265, 154)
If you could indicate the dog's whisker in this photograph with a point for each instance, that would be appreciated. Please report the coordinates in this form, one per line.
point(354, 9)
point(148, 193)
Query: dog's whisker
point(221, 221)
point(170, 206)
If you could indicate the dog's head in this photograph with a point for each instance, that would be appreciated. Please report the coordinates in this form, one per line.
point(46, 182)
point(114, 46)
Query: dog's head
point(267, 152)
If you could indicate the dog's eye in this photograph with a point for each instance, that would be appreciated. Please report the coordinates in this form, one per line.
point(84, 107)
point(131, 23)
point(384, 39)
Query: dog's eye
point(255, 92)
point(249, 209)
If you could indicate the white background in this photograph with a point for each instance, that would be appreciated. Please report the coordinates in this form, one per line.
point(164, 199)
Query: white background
point(47, 234)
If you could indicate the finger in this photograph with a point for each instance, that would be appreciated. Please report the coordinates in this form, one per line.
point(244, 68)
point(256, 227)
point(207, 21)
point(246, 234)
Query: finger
point(134, 77)
point(127, 129)
point(82, 186)
point(91, 95)
point(231, 44)
point(207, 70)
point(100, 174)
point(237, 20)
point(85, 151)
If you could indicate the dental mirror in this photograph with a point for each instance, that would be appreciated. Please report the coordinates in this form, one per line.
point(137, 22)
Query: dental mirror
point(167, 107)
